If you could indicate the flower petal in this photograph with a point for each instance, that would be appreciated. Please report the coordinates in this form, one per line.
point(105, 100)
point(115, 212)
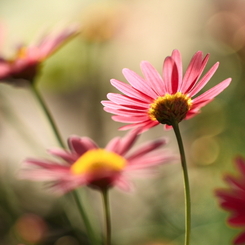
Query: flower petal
point(147, 148)
point(193, 71)
point(204, 80)
point(81, 145)
point(177, 71)
point(168, 73)
point(126, 101)
point(127, 119)
point(67, 156)
point(127, 142)
point(124, 184)
point(240, 239)
point(153, 77)
point(138, 82)
point(211, 93)
point(130, 91)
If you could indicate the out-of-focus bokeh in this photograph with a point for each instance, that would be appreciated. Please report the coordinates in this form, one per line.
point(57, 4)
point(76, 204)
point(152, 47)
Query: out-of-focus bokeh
point(115, 35)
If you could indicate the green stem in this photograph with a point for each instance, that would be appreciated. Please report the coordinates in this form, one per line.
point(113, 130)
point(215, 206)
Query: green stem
point(105, 197)
point(60, 141)
point(48, 115)
point(186, 184)
point(84, 217)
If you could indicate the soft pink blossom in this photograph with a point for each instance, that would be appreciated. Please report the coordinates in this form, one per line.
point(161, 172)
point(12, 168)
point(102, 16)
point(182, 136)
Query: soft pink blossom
point(232, 199)
point(27, 60)
point(135, 105)
point(63, 178)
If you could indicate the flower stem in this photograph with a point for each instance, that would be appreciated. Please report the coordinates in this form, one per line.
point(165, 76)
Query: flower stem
point(60, 141)
point(87, 224)
point(107, 216)
point(48, 115)
point(186, 184)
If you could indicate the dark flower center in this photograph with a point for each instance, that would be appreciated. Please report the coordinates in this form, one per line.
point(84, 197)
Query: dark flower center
point(170, 108)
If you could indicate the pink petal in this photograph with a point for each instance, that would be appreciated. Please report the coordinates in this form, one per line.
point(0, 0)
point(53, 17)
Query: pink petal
point(113, 105)
point(204, 80)
point(50, 43)
point(41, 174)
point(130, 91)
point(143, 125)
point(211, 93)
point(178, 61)
point(4, 69)
point(153, 77)
point(148, 147)
point(45, 164)
point(167, 127)
point(67, 156)
point(126, 101)
point(197, 106)
point(113, 145)
point(193, 72)
point(238, 220)
point(124, 184)
point(61, 187)
point(149, 161)
point(81, 145)
point(235, 182)
point(126, 112)
point(131, 119)
point(127, 142)
point(240, 239)
point(167, 74)
point(138, 82)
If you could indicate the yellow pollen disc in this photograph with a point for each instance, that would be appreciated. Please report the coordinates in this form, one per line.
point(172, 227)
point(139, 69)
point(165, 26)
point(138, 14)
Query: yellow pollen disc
point(21, 53)
point(169, 108)
point(98, 160)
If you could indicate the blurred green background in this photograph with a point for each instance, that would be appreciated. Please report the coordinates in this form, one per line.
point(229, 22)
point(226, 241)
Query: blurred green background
point(115, 35)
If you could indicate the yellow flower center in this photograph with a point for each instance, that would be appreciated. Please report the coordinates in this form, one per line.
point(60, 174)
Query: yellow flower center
point(21, 53)
point(98, 161)
point(170, 108)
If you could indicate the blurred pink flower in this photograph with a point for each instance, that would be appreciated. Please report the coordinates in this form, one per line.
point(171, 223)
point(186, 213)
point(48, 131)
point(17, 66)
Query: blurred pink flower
point(87, 164)
point(27, 60)
point(232, 199)
point(152, 100)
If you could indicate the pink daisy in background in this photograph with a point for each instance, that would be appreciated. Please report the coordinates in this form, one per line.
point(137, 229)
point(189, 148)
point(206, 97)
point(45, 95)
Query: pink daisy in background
point(26, 62)
point(87, 164)
point(154, 99)
point(232, 199)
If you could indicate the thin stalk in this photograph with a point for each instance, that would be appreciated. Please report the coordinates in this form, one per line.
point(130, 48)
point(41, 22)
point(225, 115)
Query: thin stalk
point(48, 115)
point(87, 224)
point(61, 143)
point(106, 205)
point(186, 184)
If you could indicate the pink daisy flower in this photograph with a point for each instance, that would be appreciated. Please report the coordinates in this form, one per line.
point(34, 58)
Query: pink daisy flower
point(153, 99)
point(27, 60)
point(87, 164)
point(232, 199)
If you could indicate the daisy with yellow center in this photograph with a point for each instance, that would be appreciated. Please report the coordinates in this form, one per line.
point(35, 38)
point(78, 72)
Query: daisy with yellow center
point(101, 169)
point(27, 59)
point(167, 100)
point(157, 99)
point(87, 164)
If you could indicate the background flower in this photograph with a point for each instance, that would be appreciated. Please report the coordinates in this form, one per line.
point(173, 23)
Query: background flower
point(232, 199)
point(86, 164)
point(27, 60)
